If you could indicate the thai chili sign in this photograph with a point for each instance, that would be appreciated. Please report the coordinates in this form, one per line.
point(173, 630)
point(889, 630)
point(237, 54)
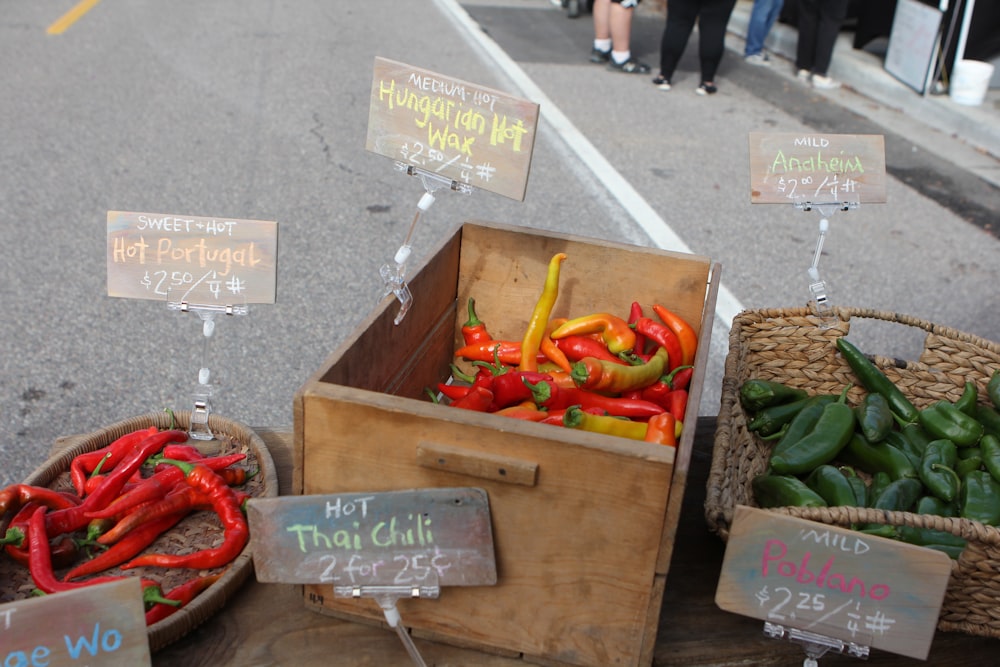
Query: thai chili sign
point(458, 130)
point(833, 582)
point(191, 259)
point(434, 537)
point(799, 168)
point(104, 624)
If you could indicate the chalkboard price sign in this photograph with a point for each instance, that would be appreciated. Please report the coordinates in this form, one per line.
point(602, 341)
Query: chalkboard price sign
point(799, 168)
point(452, 128)
point(438, 537)
point(833, 581)
point(98, 626)
point(190, 259)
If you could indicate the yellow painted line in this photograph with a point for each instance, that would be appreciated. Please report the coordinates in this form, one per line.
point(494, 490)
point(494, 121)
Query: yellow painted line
point(71, 17)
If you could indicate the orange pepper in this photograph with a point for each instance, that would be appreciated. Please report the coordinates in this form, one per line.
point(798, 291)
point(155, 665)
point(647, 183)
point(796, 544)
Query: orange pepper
point(611, 378)
point(551, 350)
point(685, 333)
point(662, 429)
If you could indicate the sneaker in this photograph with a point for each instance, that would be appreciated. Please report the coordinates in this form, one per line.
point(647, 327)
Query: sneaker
point(662, 82)
point(630, 66)
point(598, 56)
point(706, 89)
point(803, 75)
point(757, 59)
point(824, 82)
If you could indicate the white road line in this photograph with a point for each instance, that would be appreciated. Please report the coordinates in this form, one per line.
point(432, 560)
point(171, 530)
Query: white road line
point(727, 305)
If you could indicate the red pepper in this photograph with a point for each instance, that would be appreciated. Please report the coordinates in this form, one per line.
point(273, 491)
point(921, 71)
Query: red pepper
point(73, 518)
point(16, 496)
point(180, 500)
point(616, 333)
point(151, 488)
point(664, 337)
point(479, 399)
point(474, 330)
point(64, 552)
point(662, 429)
point(104, 458)
point(577, 348)
point(226, 505)
point(634, 314)
point(125, 548)
point(453, 392)
point(183, 595)
point(677, 401)
point(611, 405)
point(685, 333)
point(515, 387)
point(555, 417)
point(527, 411)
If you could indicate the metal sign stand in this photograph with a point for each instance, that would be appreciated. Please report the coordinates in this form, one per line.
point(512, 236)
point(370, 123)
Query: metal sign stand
point(817, 286)
point(202, 395)
point(393, 275)
point(815, 645)
point(386, 597)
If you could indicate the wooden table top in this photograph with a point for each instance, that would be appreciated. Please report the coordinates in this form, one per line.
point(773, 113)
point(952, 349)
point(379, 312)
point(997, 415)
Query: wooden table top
point(267, 624)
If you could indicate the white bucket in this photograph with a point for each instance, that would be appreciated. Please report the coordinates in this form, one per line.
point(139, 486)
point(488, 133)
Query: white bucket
point(969, 82)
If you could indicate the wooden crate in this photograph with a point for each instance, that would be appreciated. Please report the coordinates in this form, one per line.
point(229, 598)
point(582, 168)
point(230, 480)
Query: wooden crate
point(583, 524)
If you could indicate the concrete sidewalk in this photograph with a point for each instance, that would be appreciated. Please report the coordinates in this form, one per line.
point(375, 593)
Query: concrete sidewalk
point(908, 112)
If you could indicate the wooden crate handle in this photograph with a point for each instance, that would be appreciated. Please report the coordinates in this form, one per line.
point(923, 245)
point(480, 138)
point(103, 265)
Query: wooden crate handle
point(477, 464)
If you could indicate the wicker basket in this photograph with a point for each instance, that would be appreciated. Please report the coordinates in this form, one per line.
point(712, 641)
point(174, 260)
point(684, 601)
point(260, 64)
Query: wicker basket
point(197, 531)
point(795, 347)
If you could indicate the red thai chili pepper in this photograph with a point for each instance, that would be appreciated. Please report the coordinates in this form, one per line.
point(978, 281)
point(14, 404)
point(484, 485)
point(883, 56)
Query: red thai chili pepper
point(577, 348)
point(662, 430)
point(73, 518)
point(474, 329)
point(685, 333)
point(183, 595)
point(226, 505)
point(605, 377)
point(128, 546)
point(15, 496)
point(615, 332)
point(106, 457)
point(532, 341)
point(605, 424)
point(479, 399)
point(217, 463)
point(40, 566)
point(662, 336)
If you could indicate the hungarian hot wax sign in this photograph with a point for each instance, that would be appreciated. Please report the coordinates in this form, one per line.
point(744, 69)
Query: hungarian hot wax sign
point(467, 133)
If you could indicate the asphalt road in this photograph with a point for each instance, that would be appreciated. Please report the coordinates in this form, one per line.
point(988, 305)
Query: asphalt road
point(258, 110)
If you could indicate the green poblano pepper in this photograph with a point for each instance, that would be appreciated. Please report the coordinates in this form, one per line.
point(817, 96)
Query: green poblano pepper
point(829, 434)
point(758, 394)
point(832, 485)
point(937, 469)
point(979, 498)
point(874, 417)
point(943, 420)
point(784, 491)
point(878, 457)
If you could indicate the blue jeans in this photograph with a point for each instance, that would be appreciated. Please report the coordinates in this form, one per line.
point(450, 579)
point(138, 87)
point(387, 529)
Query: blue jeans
point(762, 18)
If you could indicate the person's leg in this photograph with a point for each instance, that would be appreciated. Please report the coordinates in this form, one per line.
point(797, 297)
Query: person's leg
point(757, 28)
point(621, 38)
point(681, 17)
point(831, 16)
point(601, 50)
point(712, 23)
point(805, 50)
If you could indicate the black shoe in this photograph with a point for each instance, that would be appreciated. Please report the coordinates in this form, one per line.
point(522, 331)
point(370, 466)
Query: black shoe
point(573, 9)
point(598, 56)
point(706, 89)
point(630, 66)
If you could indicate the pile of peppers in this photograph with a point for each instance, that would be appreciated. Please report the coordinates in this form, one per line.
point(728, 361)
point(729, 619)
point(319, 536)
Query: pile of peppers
point(126, 495)
point(601, 372)
point(883, 453)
